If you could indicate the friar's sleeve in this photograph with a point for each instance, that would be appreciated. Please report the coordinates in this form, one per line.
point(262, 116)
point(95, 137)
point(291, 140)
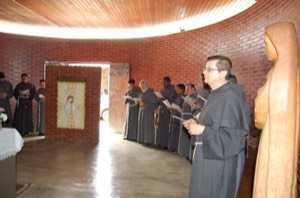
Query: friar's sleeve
point(16, 91)
point(126, 100)
point(223, 143)
point(226, 140)
point(32, 91)
point(150, 99)
point(10, 92)
point(36, 95)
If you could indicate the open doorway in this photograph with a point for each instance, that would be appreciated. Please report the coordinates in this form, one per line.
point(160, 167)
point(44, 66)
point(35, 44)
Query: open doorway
point(104, 84)
point(111, 82)
point(104, 96)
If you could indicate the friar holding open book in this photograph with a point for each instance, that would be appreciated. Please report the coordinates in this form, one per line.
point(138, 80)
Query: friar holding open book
point(24, 94)
point(132, 111)
point(167, 93)
point(176, 110)
point(148, 105)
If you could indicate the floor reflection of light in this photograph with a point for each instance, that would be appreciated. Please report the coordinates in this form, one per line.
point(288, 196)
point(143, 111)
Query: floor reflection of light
point(102, 181)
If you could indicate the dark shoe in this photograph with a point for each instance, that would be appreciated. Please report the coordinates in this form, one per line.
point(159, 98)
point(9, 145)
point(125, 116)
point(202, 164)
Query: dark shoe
point(41, 134)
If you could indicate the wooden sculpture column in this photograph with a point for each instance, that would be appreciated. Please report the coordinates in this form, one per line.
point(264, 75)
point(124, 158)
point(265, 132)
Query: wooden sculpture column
point(277, 113)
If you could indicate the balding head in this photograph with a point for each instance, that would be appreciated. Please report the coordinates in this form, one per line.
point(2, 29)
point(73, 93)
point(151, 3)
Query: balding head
point(143, 85)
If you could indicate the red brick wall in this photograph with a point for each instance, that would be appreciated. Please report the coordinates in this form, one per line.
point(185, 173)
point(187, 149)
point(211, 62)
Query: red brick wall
point(20, 54)
point(180, 56)
point(92, 108)
point(241, 38)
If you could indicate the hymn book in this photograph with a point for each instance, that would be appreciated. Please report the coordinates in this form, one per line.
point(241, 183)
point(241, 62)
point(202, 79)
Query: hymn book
point(24, 92)
point(158, 94)
point(191, 101)
point(167, 103)
point(188, 99)
point(176, 107)
point(131, 98)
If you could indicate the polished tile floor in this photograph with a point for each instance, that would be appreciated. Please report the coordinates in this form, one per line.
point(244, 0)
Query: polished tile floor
point(114, 168)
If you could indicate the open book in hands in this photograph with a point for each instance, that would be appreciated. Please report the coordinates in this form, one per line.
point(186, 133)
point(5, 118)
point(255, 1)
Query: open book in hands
point(131, 98)
point(167, 103)
point(127, 97)
point(176, 107)
point(172, 106)
point(191, 101)
point(188, 99)
point(136, 99)
point(25, 92)
point(158, 94)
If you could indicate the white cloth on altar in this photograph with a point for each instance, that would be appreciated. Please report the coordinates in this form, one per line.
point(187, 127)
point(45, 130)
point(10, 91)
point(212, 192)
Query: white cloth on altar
point(11, 142)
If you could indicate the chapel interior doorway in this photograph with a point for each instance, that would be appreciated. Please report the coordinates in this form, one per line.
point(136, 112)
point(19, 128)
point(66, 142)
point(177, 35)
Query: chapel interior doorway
point(114, 78)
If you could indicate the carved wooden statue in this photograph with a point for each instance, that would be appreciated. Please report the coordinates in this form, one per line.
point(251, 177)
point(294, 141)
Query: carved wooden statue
point(277, 113)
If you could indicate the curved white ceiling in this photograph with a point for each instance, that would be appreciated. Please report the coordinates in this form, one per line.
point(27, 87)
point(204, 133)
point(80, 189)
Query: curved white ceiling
point(203, 19)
